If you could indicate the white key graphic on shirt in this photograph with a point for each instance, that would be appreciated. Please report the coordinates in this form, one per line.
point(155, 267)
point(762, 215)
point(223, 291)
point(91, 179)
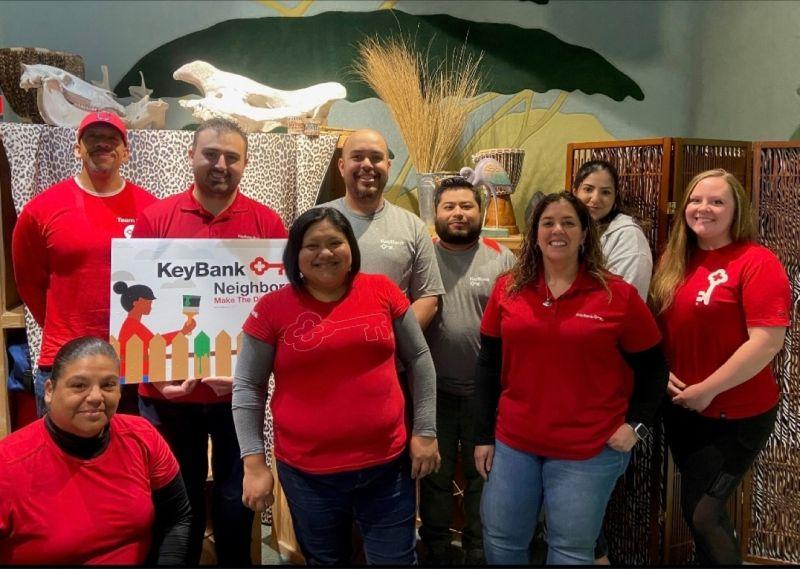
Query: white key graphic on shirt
point(716, 278)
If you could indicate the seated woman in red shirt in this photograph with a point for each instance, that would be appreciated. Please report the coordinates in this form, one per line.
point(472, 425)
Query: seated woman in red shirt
point(85, 486)
point(723, 303)
point(342, 444)
point(569, 373)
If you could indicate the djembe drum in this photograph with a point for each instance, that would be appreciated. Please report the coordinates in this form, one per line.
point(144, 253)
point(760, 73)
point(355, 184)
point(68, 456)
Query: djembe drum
point(499, 211)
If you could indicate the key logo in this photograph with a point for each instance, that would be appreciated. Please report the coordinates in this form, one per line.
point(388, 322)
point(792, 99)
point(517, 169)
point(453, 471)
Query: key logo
point(714, 279)
point(260, 266)
point(310, 329)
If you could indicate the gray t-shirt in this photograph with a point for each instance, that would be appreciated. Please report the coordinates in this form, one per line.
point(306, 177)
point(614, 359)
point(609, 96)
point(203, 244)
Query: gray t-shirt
point(454, 334)
point(395, 242)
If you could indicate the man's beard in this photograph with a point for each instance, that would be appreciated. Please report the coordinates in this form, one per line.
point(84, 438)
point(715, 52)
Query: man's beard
point(216, 189)
point(462, 237)
point(368, 193)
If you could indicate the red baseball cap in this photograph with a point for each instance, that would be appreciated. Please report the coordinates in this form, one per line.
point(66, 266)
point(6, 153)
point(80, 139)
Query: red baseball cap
point(105, 117)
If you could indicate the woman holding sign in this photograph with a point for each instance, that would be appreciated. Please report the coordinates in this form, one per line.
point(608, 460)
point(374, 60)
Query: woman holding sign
point(341, 442)
point(85, 486)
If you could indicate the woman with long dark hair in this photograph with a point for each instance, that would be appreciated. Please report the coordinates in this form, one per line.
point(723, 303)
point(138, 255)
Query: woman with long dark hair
point(625, 247)
point(570, 371)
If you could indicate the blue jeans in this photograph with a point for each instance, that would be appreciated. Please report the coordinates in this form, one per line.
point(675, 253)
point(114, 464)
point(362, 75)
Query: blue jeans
point(186, 427)
point(42, 375)
point(381, 499)
point(574, 494)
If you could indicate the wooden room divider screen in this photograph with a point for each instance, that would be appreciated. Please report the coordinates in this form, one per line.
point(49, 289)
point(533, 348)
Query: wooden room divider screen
point(772, 508)
point(645, 507)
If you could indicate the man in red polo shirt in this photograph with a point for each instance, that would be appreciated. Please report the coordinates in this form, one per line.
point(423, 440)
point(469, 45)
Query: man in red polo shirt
point(61, 246)
point(188, 413)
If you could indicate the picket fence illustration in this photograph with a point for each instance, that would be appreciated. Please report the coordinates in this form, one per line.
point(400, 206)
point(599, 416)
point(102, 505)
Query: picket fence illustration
point(202, 361)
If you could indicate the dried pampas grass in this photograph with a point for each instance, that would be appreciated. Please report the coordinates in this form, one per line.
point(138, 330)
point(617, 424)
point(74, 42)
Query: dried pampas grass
point(427, 102)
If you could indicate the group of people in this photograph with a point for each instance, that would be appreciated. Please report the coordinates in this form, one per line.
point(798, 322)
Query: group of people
point(393, 354)
point(61, 250)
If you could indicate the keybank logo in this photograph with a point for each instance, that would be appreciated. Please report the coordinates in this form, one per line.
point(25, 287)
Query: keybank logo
point(199, 269)
point(260, 266)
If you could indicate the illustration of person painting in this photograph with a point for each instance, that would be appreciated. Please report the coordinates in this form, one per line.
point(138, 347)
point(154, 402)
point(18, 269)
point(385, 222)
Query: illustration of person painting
point(137, 300)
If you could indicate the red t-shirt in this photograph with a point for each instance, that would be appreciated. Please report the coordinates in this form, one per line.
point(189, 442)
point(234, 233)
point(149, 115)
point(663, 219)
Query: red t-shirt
point(182, 216)
point(565, 384)
point(59, 509)
point(705, 325)
point(338, 405)
point(62, 258)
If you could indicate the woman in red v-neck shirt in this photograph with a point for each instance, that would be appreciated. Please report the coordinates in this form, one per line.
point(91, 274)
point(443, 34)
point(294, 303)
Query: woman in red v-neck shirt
point(723, 303)
point(570, 370)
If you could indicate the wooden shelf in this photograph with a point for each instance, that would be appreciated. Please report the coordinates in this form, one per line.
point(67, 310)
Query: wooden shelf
point(14, 318)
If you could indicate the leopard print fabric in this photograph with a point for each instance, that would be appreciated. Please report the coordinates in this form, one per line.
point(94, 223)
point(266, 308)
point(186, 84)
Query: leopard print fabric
point(284, 172)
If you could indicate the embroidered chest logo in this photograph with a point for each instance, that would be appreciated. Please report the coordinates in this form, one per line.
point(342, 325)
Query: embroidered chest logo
point(479, 281)
point(589, 316)
point(309, 330)
point(389, 244)
point(716, 278)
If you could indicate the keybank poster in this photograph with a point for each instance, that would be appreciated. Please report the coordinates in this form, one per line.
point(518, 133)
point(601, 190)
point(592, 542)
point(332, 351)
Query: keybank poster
point(178, 305)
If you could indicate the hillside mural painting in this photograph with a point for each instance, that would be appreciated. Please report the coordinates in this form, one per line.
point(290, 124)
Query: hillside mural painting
point(531, 75)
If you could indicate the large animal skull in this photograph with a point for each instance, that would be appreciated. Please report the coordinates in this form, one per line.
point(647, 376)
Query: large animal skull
point(64, 99)
point(255, 107)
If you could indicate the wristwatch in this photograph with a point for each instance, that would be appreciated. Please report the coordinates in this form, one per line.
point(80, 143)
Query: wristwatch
point(640, 431)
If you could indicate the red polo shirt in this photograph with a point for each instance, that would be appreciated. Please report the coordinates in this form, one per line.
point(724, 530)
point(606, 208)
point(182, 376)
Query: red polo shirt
point(182, 216)
point(565, 384)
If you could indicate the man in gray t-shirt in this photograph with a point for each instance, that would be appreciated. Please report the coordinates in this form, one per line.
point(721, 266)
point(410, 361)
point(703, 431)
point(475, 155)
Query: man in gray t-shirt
point(393, 241)
point(469, 266)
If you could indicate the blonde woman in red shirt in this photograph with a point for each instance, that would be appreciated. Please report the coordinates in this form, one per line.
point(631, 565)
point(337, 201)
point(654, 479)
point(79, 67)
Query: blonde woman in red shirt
point(723, 302)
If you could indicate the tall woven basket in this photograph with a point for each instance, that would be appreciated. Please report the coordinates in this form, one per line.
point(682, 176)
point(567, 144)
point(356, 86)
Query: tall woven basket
point(22, 102)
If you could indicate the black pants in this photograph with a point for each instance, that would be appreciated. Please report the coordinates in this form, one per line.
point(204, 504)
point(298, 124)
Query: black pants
point(186, 427)
point(454, 424)
point(713, 456)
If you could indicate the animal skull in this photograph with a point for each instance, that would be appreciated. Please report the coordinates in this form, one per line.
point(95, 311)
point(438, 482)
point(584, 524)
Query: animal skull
point(255, 107)
point(64, 99)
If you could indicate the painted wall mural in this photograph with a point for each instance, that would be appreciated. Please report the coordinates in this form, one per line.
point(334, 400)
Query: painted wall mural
point(521, 64)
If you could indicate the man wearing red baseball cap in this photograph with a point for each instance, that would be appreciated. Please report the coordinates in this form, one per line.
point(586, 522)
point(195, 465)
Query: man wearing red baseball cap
point(107, 118)
point(61, 246)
